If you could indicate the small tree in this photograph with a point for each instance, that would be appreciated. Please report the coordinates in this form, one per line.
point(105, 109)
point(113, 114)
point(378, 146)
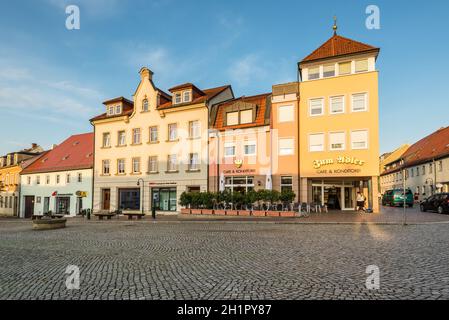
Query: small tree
point(207, 200)
point(251, 197)
point(196, 200)
point(273, 196)
point(185, 199)
point(287, 197)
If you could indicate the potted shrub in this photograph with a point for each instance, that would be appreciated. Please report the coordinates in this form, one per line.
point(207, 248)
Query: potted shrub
point(272, 196)
point(196, 202)
point(207, 202)
point(259, 196)
point(287, 197)
point(223, 198)
point(185, 200)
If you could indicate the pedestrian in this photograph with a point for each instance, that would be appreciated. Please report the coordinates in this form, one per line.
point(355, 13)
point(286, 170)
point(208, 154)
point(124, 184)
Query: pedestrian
point(360, 202)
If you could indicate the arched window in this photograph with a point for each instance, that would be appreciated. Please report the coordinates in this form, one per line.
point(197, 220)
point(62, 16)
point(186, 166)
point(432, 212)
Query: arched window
point(145, 105)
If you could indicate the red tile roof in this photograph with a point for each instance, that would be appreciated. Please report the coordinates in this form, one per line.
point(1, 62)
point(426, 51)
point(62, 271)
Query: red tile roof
point(435, 145)
point(338, 46)
point(75, 153)
point(263, 108)
point(199, 97)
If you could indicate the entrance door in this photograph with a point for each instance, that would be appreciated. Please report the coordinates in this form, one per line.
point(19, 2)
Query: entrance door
point(46, 204)
point(106, 196)
point(348, 196)
point(29, 206)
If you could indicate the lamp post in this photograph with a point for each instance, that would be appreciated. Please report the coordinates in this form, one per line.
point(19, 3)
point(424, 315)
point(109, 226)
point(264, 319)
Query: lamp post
point(143, 190)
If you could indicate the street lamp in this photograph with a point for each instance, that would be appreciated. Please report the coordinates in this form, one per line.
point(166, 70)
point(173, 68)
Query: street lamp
point(143, 190)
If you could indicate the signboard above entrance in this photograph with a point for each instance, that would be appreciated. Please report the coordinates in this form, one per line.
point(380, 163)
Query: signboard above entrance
point(317, 164)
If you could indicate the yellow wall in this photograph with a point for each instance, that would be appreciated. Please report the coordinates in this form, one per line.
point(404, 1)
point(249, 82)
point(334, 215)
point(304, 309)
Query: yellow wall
point(14, 178)
point(369, 120)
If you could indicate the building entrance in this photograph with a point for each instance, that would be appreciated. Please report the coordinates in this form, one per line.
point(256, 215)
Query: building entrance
point(338, 195)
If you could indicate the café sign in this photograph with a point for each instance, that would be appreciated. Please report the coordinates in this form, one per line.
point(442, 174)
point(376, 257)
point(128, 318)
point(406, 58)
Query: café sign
point(317, 164)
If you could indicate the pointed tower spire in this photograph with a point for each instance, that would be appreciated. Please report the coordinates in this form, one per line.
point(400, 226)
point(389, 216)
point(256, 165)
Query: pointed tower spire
point(335, 27)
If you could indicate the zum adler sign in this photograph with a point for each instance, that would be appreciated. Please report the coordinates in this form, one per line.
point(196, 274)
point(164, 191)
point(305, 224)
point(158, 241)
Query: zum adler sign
point(319, 164)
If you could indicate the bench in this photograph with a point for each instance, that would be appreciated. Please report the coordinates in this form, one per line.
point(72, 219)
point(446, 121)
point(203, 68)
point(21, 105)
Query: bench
point(102, 215)
point(132, 215)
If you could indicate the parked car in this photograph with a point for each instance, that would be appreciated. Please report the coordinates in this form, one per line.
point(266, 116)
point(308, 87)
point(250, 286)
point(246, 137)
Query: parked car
point(438, 202)
point(395, 198)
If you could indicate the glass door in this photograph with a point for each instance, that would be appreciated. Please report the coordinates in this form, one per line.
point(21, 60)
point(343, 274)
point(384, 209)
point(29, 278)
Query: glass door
point(348, 196)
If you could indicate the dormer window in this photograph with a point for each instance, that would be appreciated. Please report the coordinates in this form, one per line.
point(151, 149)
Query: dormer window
point(110, 111)
point(344, 68)
point(118, 109)
point(239, 117)
point(145, 105)
point(178, 98)
point(329, 71)
point(187, 97)
point(361, 65)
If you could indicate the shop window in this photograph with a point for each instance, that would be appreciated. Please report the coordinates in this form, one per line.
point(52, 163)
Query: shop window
point(165, 199)
point(129, 199)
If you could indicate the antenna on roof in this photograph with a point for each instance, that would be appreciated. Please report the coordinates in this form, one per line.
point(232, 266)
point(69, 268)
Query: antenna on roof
point(335, 27)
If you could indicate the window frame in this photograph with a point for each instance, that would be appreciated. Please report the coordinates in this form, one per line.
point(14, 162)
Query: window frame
point(343, 103)
point(366, 101)
point(323, 106)
point(330, 141)
point(367, 139)
point(292, 113)
point(249, 143)
point(323, 144)
point(293, 147)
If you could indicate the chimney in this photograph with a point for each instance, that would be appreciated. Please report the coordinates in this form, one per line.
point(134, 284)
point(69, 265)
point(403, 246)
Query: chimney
point(146, 73)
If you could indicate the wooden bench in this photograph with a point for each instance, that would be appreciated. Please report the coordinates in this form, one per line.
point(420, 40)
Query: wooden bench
point(102, 215)
point(131, 215)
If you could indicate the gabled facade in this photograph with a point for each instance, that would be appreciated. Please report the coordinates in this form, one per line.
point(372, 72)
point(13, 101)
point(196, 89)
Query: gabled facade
point(155, 148)
point(11, 165)
point(339, 124)
point(60, 180)
point(390, 177)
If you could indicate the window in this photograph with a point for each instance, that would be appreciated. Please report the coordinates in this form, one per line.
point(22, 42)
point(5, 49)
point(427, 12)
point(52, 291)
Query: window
point(153, 134)
point(136, 165)
point(172, 163)
point(246, 116)
point(106, 140)
point(121, 138)
point(417, 171)
point(430, 168)
point(172, 132)
point(177, 98)
point(329, 71)
point(67, 178)
point(337, 104)
point(129, 199)
point(193, 161)
point(145, 105)
point(118, 109)
point(286, 113)
point(314, 73)
point(121, 166)
point(136, 136)
point(152, 164)
point(194, 129)
point(58, 179)
point(423, 170)
point(316, 107)
point(38, 180)
point(80, 177)
point(440, 166)
point(344, 68)
point(229, 150)
point(316, 142)
point(359, 102)
point(412, 172)
point(286, 183)
point(106, 167)
point(187, 96)
point(232, 118)
point(166, 199)
point(250, 148)
point(359, 139)
point(47, 179)
point(337, 141)
point(286, 146)
point(361, 65)
point(110, 111)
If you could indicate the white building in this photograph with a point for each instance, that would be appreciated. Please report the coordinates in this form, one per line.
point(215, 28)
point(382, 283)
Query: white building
point(61, 180)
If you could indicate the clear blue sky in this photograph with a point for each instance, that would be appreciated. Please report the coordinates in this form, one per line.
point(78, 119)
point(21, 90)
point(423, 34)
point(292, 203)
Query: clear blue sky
point(53, 80)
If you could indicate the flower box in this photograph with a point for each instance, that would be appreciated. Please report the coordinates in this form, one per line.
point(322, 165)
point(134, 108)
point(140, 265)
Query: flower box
point(232, 212)
point(196, 211)
point(245, 213)
point(258, 213)
point(207, 211)
point(273, 213)
point(288, 214)
point(185, 211)
point(220, 212)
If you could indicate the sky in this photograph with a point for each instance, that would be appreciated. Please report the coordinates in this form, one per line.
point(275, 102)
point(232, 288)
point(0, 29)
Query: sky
point(53, 80)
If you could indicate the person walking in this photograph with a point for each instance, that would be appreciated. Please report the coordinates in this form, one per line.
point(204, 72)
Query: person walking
point(360, 202)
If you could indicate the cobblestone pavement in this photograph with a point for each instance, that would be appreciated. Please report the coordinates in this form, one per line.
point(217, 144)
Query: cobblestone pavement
point(216, 260)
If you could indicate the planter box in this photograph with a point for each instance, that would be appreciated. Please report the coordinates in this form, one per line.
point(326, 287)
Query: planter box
point(195, 211)
point(49, 224)
point(220, 212)
point(245, 213)
point(185, 211)
point(288, 214)
point(207, 211)
point(258, 213)
point(273, 213)
point(232, 212)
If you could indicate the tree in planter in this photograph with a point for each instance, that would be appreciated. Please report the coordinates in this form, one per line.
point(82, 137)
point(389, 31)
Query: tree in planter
point(262, 195)
point(207, 200)
point(250, 198)
point(185, 199)
point(225, 198)
point(196, 200)
point(287, 197)
point(272, 196)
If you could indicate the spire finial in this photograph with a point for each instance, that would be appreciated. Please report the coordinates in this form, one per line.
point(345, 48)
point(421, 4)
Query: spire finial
point(335, 27)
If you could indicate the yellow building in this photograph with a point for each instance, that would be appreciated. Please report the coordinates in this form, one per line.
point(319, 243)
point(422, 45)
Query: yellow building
point(11, 165)
point(339, 124)
point(154, 147)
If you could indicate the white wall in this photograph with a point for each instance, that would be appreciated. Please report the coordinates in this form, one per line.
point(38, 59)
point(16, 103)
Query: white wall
point(63, 188)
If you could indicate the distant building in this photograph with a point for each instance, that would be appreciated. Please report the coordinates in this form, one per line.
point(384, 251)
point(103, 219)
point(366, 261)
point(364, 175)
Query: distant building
point(11, 166)
point(59, 181)
point(390, 178)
